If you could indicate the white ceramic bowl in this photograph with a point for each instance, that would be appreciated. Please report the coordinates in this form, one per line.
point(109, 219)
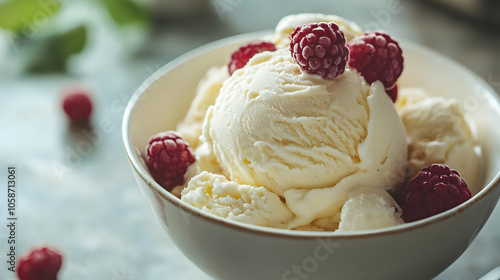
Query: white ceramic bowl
point(230, 250)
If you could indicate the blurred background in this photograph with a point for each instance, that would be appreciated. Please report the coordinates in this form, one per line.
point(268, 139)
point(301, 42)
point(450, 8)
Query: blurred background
point(75, 190)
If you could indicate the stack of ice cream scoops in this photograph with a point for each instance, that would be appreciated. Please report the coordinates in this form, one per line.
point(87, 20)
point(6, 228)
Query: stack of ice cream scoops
point(308, 130)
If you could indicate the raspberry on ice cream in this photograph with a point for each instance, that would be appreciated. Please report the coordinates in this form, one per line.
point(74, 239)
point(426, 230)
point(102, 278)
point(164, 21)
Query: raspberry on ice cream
point(77, 106)
point(168, 157)
point(39, 264)
point(435, 189)
point(376, 56)
point(319, 48)
point(241, 56)
point(392, 92)
point(317, 136)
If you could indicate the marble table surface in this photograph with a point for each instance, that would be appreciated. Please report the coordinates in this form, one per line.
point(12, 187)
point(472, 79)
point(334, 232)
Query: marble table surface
point(75, 187)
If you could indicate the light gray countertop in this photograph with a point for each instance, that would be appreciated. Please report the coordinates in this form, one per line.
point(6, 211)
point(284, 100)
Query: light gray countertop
point(77, 191)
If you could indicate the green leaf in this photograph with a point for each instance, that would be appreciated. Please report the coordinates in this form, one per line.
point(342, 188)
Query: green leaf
point(26, 16)
point(50, 53)
point(43, 55)
point(126, 12)
point(73, 41)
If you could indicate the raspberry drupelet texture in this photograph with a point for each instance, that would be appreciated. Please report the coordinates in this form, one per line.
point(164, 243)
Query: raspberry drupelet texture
point(39, 264)
point(77, 106)
point(376, 56)
point(168, 157)
point(435, 189)
point(241, 56)
point(320, 49)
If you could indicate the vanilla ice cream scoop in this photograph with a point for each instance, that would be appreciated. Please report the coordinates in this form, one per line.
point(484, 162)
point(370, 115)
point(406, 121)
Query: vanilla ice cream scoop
point(369, 210)
point(254, 205)
point(206, 93)
point(274, 126)
point(277, 127)
point(439, 132)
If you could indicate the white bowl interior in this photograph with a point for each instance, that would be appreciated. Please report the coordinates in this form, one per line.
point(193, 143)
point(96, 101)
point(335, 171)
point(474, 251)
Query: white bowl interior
point(162, 101)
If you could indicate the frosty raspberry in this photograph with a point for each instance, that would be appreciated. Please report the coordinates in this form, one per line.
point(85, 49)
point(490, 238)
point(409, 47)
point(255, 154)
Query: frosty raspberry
point(320, 49)
point(435, 189)
point(377, 56)
point(241, 56)
point(168, 157)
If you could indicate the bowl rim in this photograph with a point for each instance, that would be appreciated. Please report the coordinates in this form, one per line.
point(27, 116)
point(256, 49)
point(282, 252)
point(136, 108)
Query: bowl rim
point(268, 231)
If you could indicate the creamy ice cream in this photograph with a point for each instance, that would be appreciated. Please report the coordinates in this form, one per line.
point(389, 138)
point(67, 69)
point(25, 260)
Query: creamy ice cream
point(206, 93)
point(278, 147)
point(275, 126)
point(438, 132)
point(369, 210)
point(209, 86)
point(255, 205)
point(206, 160)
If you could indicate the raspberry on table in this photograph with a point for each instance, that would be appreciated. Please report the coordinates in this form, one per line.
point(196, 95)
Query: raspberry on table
point(168, 157)
point(320, 49)
point(39, 264)
point(77, 106)
point(242, 55)
point(377, 56)
point(435, 189)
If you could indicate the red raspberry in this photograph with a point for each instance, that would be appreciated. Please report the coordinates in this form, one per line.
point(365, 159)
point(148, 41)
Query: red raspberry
point(242, 55)
point(377, 57)
point(77, 106)
point(319, 48)
point(39, 264)
point(435, 189)
point(393, 93)
point(168, 157)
